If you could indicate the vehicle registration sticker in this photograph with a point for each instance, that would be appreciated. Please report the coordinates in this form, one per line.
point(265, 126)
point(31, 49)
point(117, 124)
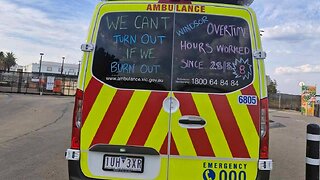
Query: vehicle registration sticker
point(117, 163)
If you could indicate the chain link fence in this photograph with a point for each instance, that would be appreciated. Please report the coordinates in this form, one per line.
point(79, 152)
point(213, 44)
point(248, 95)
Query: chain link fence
point(31, 83)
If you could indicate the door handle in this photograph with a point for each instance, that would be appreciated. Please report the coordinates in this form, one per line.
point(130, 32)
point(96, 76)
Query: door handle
point(192, 122)
point(186, 121)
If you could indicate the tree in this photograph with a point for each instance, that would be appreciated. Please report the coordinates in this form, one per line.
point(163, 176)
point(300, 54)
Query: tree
point(2, 57)
point(272, 87)
point(9, 60)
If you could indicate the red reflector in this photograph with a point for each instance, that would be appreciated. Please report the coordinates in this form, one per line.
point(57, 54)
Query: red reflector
point(264, 152)
point(75, 143)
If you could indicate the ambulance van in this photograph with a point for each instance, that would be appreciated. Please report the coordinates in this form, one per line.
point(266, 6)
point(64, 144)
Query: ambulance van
point(171, 90)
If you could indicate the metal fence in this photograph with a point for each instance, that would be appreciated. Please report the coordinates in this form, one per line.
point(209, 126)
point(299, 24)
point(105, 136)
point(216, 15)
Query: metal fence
point(285, 101)
point(317, 110)
point(31, 83)
point(288, 101)
point(56, 84)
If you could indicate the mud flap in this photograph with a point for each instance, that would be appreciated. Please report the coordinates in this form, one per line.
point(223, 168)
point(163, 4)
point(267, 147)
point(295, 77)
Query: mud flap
point(263, 175)
point(75, 172)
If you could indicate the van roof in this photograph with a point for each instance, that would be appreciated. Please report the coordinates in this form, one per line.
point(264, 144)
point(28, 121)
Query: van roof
point(235, 2)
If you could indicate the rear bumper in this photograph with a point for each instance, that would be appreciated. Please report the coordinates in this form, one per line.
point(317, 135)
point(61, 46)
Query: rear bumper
point(75, 172)
point(73, 157)
point(265, 167)
point(263, 175)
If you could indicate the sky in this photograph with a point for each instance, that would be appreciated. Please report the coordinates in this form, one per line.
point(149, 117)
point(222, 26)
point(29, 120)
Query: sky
point(57, 28)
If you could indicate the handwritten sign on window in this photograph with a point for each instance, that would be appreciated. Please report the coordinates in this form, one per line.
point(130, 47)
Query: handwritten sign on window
point(211, 53)
point(133, 50)
point(196, 52)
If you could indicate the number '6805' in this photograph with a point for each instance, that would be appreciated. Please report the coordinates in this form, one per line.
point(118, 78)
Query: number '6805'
point(248, 100)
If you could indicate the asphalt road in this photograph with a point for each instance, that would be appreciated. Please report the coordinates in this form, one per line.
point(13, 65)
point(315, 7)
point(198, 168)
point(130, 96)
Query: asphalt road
point(288, 144)
point(35, 131)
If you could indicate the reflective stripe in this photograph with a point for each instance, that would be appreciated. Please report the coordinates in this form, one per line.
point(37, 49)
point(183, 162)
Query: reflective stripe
point(313, 137)
point(159, 131)
point(229, 126)
point(80, 83)
point(200, 102)
point(112, 117)
point(90, 95)
point(263, 81)
point(213, 127)
point(253, 110)
point(147, 119)
point(245, 123)
point(88, 77)
point(311, 161)
point(256, 81)
point(130, 117)
point(181, 136)
point(198, 137)
point(173, 146)
point(95, 116)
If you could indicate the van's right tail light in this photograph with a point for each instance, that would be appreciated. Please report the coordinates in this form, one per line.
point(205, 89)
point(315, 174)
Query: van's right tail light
point(77, 119)
point(264, 129)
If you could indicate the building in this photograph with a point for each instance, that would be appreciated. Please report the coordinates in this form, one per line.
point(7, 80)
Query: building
point(268, 80)
point(16, 68)
point(48, 67)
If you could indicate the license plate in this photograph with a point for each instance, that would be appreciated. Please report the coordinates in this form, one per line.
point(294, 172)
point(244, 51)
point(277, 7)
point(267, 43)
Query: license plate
point(117, 163)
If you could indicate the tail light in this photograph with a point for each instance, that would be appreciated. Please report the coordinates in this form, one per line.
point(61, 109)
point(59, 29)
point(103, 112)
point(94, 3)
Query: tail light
point(76, 122)
point(264, 129)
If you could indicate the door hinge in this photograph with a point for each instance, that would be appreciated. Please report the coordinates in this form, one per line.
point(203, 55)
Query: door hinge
point(260, 54)
point(87, 47)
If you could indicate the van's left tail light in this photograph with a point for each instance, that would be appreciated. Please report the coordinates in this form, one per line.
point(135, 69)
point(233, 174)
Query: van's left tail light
point(265, 164)
point(77, 120)
point(264, 129)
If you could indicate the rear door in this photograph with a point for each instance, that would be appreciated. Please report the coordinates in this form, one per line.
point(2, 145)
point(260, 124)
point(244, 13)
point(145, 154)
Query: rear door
point(176, 89)
point(128, 79)
point(215, 131)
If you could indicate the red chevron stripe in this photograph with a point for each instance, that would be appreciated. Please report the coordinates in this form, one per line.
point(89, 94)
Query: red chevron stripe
point(147, 119)
point(90, 96)
point(229, 126)
point(198, 137)
point(173, 146)
point(112, 117)
point(253, 110)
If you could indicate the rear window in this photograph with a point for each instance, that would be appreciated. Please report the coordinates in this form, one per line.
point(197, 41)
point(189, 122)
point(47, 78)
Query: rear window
point(181, 52)
point(134, 50)
point(211, 54)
